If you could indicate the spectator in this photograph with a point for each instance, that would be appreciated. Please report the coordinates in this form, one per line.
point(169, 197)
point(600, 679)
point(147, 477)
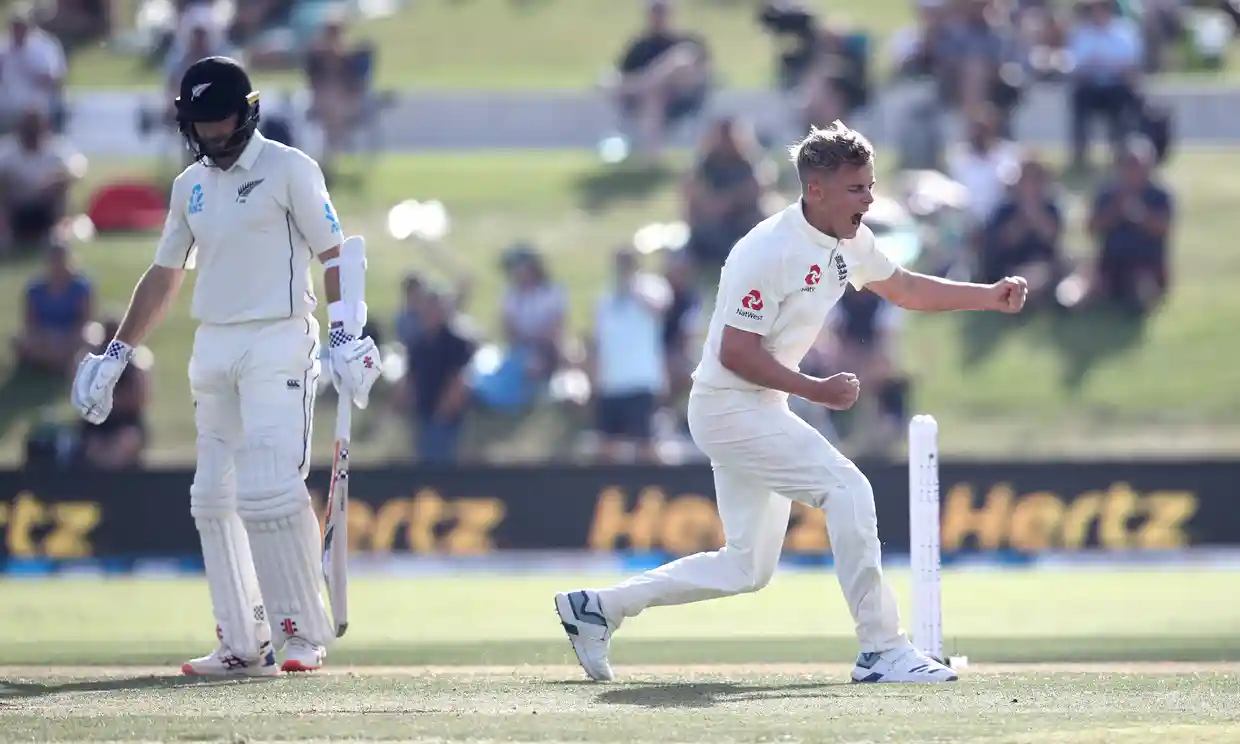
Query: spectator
point(118, 442)
point(864, 331)
point(664, 77)
point(1107, 53)
point(534, 309)
point(408, 322)
point(36, 171)
point(1131, 222)
point(1025, 233)
point(628, 363)
point(724, 191)
point(679, 338)
point(58, 306)
point(339, 81)
point(32, 71)
point(437, 373)
point(984, 164)
point(79, 22)
point(199, 34)
point(981, 61)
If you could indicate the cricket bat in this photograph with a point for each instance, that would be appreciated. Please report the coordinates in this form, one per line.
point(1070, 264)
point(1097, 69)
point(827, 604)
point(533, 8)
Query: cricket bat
point(336, 529)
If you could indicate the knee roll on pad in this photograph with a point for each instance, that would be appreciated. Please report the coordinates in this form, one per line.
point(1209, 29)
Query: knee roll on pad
point(213, 492)
point(287, 559)
point(270, 483)
point(235, 595)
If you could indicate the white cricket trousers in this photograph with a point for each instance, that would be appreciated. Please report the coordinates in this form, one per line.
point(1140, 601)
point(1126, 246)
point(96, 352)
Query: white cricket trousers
point(254, 388)
point(764, 457)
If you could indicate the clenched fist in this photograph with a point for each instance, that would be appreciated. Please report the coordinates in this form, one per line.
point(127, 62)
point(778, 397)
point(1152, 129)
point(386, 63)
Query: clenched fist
point(837, 392)
point(1008, 294)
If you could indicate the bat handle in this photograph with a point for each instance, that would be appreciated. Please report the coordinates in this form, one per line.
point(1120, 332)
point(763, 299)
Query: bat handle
point(344, 417)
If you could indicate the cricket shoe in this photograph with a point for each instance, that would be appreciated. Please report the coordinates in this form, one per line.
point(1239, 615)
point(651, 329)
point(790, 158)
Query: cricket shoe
point(301, 655)
point(224, 663)
point(587, 628)
point(901, 664)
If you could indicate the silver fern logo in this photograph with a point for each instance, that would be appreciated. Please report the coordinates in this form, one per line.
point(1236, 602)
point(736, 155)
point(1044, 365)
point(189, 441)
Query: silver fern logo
point(246, 189)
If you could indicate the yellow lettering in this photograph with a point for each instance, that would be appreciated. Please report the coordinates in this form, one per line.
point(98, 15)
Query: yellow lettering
point(1033, 523)
point(361, 525)
point(613, 522)
point(391, 517)
point(70, 537)
point(475, 518)
point(961, 519)
point(25, 516)
point(425, 514)
point(690, 524)
point(1081, 513)
point(1168, 512)
point(1117, 510)
point(808, 533)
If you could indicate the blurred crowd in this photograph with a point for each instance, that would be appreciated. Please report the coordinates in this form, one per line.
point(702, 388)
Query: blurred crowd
point(974, 61)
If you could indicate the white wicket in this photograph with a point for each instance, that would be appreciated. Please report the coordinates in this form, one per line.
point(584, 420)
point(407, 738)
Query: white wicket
point(924, 534)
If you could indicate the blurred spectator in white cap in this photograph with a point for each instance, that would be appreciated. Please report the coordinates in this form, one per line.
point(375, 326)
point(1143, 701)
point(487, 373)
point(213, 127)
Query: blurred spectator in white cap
point(32, 70)
point(37, 167)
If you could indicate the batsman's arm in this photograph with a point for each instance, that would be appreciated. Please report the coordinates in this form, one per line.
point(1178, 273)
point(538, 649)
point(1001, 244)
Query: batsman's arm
point(174, 255)
point(155, 291)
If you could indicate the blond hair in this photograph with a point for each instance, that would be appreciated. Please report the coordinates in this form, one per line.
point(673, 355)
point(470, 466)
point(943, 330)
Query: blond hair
point(825, 150)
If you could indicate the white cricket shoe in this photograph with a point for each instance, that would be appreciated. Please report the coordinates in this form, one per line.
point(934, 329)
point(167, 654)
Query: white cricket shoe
point(587, 628)
point(224, 663)
point(301, 655)
point(901, 664)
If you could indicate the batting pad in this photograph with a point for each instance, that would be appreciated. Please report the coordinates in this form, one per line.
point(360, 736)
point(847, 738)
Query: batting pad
point(234, 586)
point(286, 557)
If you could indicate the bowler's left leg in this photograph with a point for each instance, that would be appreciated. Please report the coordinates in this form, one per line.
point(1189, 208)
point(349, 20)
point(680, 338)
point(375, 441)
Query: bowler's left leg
point(277, 385)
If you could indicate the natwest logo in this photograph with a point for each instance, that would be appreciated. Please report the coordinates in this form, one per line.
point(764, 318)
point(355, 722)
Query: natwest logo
point(812, 278)
point(751, 305)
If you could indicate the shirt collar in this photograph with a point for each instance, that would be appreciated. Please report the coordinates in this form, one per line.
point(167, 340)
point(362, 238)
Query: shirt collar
point(252, 150)
point(820, 238)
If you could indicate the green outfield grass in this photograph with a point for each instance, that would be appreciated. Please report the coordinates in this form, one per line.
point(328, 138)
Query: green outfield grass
point(539, 44)
point(482, 658)
point(1038, 386)
point(1124, 616)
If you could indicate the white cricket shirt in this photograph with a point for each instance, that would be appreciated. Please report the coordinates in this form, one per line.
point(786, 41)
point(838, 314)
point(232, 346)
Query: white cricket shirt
point(251, 231)
point(781, 281)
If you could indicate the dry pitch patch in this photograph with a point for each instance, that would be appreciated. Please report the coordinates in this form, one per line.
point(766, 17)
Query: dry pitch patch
point(1071, 703)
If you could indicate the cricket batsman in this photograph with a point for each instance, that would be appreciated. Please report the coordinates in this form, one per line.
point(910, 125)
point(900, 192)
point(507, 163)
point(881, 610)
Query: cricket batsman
point(775, 291)
point(249, 213)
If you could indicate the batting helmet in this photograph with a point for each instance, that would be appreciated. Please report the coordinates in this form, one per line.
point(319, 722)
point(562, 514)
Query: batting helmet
point(212, 90)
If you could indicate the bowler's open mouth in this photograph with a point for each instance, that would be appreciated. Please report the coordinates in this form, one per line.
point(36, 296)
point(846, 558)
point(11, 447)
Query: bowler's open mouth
point(856, 219)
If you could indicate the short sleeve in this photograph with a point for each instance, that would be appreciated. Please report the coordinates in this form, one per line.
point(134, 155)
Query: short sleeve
point(750, 290)
point(873, 264)
point(176, 248)
point(311, 205)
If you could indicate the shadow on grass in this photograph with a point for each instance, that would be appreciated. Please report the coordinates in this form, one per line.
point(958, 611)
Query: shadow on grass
point(981, 333)
point(837, 649)
point(1082, 338)
point(1088, 337)
point(708, 694)
point(602, 188)
point(11, 690)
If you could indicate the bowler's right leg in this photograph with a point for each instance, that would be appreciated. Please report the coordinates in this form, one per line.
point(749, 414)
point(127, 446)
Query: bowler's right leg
point(754, 524)
point(241, 619)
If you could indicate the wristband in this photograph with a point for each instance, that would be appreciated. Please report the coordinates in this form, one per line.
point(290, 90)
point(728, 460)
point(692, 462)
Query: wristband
point(337, 312)
point(118, 350)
